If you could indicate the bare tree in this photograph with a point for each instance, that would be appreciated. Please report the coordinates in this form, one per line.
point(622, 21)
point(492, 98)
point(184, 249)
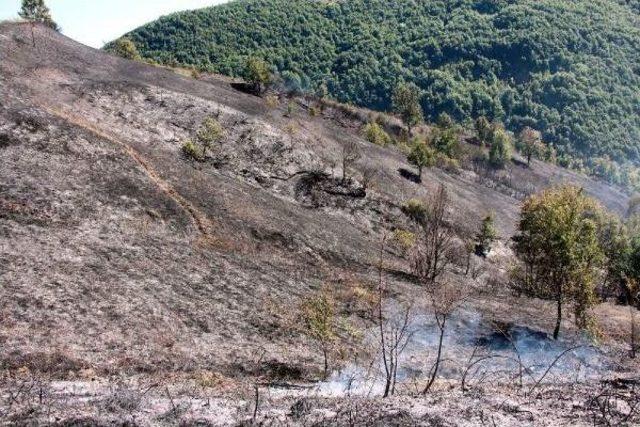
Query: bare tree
point(370, 176)
point(394, 333)
point(444, 299)
point(350, 155)
point(435, 239)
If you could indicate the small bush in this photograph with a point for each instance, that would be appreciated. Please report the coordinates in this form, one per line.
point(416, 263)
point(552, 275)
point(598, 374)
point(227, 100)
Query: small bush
point(404, 240)
point(375, 134)
point(291, 128)
point(314, 111)
point(291, 108)
point(415, 209)
point(191, 150)
point(125, 48)
point(446, 140)
point(447, 163)
point(272, 101)
point(122, 400)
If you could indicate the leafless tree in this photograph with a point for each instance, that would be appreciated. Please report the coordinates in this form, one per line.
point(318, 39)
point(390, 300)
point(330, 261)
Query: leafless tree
point(394, 333)
point(434, 249)
point(445, 299)
point(350, 155)
point(370, 176)
point(256, 386)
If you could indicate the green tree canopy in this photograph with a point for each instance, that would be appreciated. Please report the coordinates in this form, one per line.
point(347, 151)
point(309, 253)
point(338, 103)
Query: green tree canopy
point(566, 68)
point(125, 48)
point(257, 72)
point(486, 235)
point(501, 148)
point(558, 243)
point(37, 11)
point(406, 102)
point(421, 156)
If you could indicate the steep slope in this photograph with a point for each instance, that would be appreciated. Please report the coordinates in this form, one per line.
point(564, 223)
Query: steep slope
point(137, 285)
point(568, 69)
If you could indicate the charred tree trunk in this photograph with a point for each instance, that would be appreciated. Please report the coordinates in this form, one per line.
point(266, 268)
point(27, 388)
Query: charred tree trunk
point(326, 362)
point(556, 331)
point(33, 36)
point(436, 367)
point(634, 333)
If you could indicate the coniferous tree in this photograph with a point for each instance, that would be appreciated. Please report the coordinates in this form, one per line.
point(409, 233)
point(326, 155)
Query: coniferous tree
point(36, 11)
point(486, 236)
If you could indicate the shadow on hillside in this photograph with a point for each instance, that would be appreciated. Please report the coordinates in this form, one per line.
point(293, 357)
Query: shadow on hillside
point(409, 175)
point(245, 88)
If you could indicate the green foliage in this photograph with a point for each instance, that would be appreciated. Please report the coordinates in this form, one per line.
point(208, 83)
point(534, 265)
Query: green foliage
point(191, 150)
point(406, 102)
point(444, 121)
point(320, 322)
point(404, 240)
point(486, 235)
point(124, 48)
point(501, 148)
point(421, 156)
point(566, 68)
point(209, 133)
point(483, 129)
point(559, 243)
point(37, 11)
point(620, 242)
point(529, 143)
point(375, 134)
point(415, 210)
point(291, 108)
point(257, 72)
point(445, 140)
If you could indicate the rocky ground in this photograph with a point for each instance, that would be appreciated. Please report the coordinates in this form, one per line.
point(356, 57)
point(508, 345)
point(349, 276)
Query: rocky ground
point(138, 286)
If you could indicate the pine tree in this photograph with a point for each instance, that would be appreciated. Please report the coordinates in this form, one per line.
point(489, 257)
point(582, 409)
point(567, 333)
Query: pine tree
point(37, 11)
point(486, 236)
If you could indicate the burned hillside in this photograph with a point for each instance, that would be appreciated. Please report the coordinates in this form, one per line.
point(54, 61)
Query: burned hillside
point(141, 284)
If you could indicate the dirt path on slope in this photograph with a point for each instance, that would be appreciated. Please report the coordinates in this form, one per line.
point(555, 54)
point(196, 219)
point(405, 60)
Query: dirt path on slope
point(199, 218)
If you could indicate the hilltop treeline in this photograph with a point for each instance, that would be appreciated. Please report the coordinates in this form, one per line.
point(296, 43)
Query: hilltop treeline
point(568, 69)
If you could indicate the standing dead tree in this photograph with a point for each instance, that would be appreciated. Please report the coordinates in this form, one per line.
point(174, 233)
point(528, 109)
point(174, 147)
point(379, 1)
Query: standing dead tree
point(433, 252)
point(394, 333)
point(445, 299)
point(350, 155)
point(434, 249)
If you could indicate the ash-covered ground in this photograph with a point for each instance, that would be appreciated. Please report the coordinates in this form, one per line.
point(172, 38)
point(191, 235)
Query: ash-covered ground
point(138, 286)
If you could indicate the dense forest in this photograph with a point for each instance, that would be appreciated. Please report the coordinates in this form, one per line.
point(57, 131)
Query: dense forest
point(570, 69)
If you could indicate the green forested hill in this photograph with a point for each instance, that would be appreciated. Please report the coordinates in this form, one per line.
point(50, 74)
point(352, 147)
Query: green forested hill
point(570, 68)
